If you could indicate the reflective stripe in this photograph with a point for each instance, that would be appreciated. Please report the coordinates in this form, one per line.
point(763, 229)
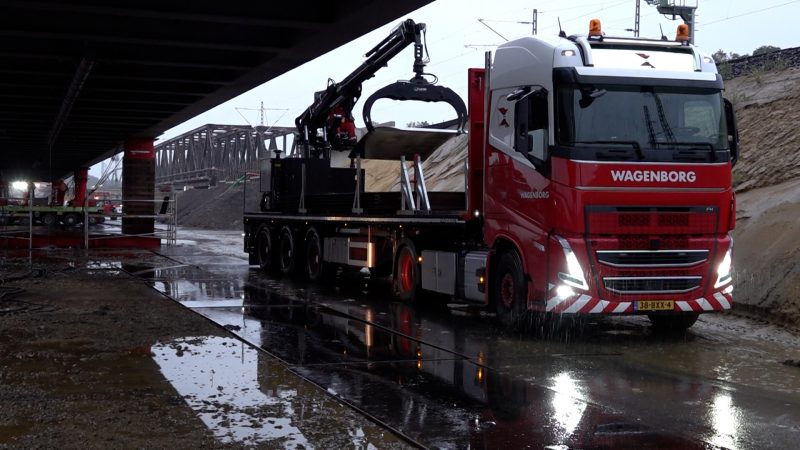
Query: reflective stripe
point(580, 303)
point(722, 300)
point(553, 302)
point(704, 304)
point(598, 308)
point(622, 307)
point(684, 306)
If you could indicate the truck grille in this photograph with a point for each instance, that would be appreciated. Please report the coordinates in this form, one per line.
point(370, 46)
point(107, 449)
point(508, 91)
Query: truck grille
point(651, 285)
point(652, 258)
point(624, 220)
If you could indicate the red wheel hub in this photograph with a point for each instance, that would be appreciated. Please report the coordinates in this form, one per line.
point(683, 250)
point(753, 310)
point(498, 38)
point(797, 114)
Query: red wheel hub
point(406, 272)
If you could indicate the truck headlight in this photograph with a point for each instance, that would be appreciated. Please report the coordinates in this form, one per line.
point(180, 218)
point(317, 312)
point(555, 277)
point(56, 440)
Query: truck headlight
point(574, 276)
point(724, 272)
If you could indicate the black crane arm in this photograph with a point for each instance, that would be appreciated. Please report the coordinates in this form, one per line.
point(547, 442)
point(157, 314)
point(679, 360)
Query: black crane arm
point(347, 91)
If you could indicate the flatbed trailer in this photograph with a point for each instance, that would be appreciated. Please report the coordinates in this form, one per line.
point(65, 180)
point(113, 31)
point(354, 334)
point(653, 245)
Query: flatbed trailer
point(327, 236)
point(49, 215)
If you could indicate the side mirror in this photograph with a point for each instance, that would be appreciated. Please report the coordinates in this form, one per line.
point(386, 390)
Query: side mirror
point(733, 131)
point(588, 95)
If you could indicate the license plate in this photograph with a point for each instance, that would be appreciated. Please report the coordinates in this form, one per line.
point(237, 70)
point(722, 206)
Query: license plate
point(655, 305)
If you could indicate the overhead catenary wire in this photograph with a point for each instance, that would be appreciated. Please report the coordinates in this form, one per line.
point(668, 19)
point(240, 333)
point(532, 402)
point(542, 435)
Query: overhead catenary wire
point(756, 11)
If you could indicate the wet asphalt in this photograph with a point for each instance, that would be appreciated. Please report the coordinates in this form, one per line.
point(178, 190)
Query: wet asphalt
point(447, 377)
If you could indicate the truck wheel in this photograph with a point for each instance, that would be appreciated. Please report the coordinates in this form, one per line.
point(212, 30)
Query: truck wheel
point(286, 256)
point(316, 268)
point(510, 291)
point(49, 219)
point(69, 219)
point(407, 274)
point(672, 323)
point(5, 220)
point(265, 250)
point(92, 220)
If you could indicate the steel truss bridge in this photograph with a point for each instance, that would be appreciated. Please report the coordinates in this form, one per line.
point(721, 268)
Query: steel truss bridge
point(215, 153)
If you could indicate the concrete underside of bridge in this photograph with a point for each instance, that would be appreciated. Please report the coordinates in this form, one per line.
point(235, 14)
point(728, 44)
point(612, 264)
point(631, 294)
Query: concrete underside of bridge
point(81, 80)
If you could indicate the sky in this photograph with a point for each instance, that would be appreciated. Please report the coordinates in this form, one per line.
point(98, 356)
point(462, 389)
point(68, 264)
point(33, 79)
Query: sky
point(457, 40)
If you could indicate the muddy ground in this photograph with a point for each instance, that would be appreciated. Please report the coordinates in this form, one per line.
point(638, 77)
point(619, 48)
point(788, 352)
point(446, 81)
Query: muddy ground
point(75, 364)
point(84, 352)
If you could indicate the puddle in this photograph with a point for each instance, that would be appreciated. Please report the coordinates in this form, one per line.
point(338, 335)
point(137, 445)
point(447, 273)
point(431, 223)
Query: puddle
point(447, 392)
point(246, 397)
point(207, 293)
point(461, 382)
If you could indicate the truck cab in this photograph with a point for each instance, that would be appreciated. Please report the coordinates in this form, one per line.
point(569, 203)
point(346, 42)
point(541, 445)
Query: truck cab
point(608, 178)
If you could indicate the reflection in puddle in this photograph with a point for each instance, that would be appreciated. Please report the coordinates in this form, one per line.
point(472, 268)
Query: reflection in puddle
point(225, 393)
point(246, 397)
point(566, 408)
point(726, 421)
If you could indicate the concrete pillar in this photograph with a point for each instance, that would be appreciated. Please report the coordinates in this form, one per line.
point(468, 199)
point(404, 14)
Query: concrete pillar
point(81, 176)
point(138, 186)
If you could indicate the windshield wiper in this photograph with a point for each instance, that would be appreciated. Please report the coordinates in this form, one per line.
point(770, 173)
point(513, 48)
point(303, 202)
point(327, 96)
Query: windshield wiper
point(634, 144)
point(696, 145)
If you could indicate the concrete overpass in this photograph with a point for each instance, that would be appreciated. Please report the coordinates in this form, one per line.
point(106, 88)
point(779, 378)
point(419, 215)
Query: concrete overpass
point(83, 79)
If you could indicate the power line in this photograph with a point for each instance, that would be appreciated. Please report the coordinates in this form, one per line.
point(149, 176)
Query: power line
point(749, 13)
point(493, 30)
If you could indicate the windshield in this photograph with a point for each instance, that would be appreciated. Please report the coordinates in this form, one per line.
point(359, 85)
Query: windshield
point(642, 117)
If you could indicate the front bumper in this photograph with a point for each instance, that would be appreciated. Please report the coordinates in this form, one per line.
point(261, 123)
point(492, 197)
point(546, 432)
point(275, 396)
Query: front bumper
point(587, 304)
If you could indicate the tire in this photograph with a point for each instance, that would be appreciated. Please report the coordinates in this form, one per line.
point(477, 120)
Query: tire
point(407, 272)
point(69, 219)
point(672, 323)
point(317, 269)
point(49, 219)
point(5, 220)
point(265, 251)
point(510, 291)
point(287, 257)
point(92, 220)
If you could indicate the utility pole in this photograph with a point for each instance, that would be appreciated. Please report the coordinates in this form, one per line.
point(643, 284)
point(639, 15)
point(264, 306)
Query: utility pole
point(635, 28)
point(535, 21)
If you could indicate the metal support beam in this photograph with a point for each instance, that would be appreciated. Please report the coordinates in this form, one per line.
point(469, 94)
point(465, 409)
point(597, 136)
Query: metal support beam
point(218, 152)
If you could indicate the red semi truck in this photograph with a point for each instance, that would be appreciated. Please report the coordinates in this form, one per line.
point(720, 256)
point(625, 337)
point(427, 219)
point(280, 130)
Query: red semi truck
point(597, 182)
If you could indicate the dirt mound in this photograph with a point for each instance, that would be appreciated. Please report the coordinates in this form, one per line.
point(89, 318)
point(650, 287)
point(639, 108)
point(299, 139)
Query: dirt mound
point(766, 251)
point(767, 238)
point(767, 114)
point(218, 208)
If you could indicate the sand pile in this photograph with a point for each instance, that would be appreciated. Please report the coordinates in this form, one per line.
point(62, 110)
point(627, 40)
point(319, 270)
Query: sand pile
point(767, 114)
point(444, 169)
point(217, 208)
point(767, 250)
